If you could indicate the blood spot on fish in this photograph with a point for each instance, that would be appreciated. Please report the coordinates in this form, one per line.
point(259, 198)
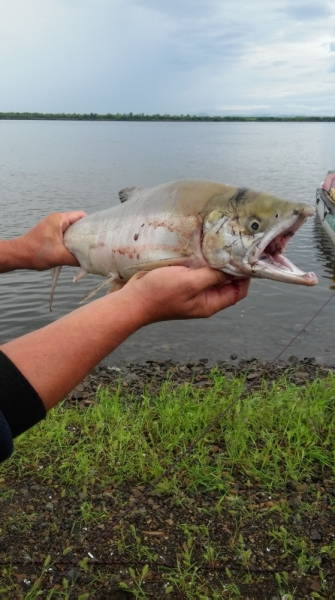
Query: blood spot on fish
point(136, 237)
point(169, 226)
point(157, 224)
point(186, 229)
point(127, 251)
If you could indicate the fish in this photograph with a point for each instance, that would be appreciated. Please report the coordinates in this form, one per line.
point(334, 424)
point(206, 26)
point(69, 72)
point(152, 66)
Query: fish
point(194, 223)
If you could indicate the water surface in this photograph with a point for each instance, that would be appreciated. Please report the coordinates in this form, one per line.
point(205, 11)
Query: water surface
point(48, 166)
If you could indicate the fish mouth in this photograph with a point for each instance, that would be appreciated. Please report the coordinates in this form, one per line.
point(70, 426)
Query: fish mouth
point(265, 258)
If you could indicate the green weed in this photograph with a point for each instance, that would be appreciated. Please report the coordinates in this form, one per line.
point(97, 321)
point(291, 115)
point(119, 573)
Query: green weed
point(190, 444)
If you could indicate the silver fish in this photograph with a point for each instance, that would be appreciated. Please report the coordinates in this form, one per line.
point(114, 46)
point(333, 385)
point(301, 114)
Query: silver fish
point(192, 223)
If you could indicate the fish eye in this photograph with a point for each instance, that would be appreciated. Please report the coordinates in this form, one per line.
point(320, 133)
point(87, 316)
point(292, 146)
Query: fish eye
point(254, 225)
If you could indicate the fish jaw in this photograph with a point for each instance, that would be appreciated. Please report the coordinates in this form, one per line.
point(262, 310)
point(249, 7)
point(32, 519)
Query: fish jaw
point(265, 258)
point(259, 255)
point(283, 270)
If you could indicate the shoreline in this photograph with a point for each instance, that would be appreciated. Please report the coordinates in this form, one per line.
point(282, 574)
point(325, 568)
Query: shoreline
point(158, 117)
point(135, 377)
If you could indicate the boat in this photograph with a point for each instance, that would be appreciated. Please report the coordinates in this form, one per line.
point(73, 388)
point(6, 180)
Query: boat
point(325, 204)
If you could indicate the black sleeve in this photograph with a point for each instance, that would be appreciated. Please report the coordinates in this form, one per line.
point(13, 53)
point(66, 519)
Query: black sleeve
point(20, 405)
point(6, 439)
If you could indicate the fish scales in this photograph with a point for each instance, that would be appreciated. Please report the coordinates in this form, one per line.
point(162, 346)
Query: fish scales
point(156, 224)
point(193, 223)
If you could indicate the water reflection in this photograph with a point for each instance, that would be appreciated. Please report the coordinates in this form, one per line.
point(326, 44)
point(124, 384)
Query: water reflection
point(325, 251)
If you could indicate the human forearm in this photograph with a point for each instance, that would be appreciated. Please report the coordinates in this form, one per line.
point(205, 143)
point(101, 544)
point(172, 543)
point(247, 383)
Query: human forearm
point(55, 358)
point(13, 255)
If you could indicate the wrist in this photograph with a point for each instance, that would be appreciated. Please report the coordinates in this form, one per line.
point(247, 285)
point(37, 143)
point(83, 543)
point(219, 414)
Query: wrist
point(139, 310)
point(13, 255)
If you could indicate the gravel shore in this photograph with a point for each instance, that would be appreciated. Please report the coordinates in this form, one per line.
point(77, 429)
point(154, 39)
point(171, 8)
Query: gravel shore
point(135, 377)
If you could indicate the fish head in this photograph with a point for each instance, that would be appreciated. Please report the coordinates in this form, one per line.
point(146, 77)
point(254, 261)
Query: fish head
point(246, 234)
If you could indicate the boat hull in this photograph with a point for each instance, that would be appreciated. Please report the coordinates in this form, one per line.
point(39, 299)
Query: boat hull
point(326, 212)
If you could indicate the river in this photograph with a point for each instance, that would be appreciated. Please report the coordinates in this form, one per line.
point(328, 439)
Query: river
point(50, 166)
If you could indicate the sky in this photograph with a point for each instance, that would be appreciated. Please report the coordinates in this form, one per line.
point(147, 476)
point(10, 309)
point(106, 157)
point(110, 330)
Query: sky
point(215, 57)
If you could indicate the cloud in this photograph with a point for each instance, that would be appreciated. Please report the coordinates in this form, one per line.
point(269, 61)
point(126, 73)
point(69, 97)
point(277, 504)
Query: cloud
point(308, 10)
point(189, 9)
point(157, 56)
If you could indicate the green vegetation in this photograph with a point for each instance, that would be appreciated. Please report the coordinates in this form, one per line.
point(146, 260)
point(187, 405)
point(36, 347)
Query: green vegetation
point(187, 492)
point(155, 117)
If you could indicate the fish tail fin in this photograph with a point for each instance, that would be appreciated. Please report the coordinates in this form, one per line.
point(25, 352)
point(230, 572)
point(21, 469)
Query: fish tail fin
point(55, 275)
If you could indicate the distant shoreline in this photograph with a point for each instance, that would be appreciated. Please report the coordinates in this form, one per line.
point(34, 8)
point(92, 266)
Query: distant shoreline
point(14, 116)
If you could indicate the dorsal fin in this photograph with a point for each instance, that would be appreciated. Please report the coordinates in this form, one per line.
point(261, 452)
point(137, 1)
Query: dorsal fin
point(126, 193)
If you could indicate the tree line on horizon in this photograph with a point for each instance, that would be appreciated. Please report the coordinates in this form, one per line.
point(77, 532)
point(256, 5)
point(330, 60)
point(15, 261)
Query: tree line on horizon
point(154, 117)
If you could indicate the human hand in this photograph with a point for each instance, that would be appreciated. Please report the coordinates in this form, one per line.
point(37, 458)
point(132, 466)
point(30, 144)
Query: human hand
point(182, 293)
point(43, 247)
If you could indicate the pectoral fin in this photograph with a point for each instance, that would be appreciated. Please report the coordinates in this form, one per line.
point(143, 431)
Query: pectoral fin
point(55, 275)
point(113, 282)
point(150, 265)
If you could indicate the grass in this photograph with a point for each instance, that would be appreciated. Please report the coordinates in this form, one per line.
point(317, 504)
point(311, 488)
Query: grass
point(187, 492)
point(278, 433)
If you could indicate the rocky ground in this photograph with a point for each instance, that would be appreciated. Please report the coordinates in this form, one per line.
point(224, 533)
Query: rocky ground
point(138, 376)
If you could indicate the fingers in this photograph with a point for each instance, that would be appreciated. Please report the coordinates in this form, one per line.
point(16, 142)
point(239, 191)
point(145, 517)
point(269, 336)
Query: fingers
point(71, 217)
point(228, 294)
point(138, 275)
point(239, 289)
point(206, 277)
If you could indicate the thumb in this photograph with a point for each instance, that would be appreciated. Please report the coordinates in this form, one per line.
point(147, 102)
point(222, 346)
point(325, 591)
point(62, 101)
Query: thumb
point(69, 218)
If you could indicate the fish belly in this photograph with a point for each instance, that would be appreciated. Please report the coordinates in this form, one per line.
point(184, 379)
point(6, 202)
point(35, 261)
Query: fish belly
point(121, 242)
